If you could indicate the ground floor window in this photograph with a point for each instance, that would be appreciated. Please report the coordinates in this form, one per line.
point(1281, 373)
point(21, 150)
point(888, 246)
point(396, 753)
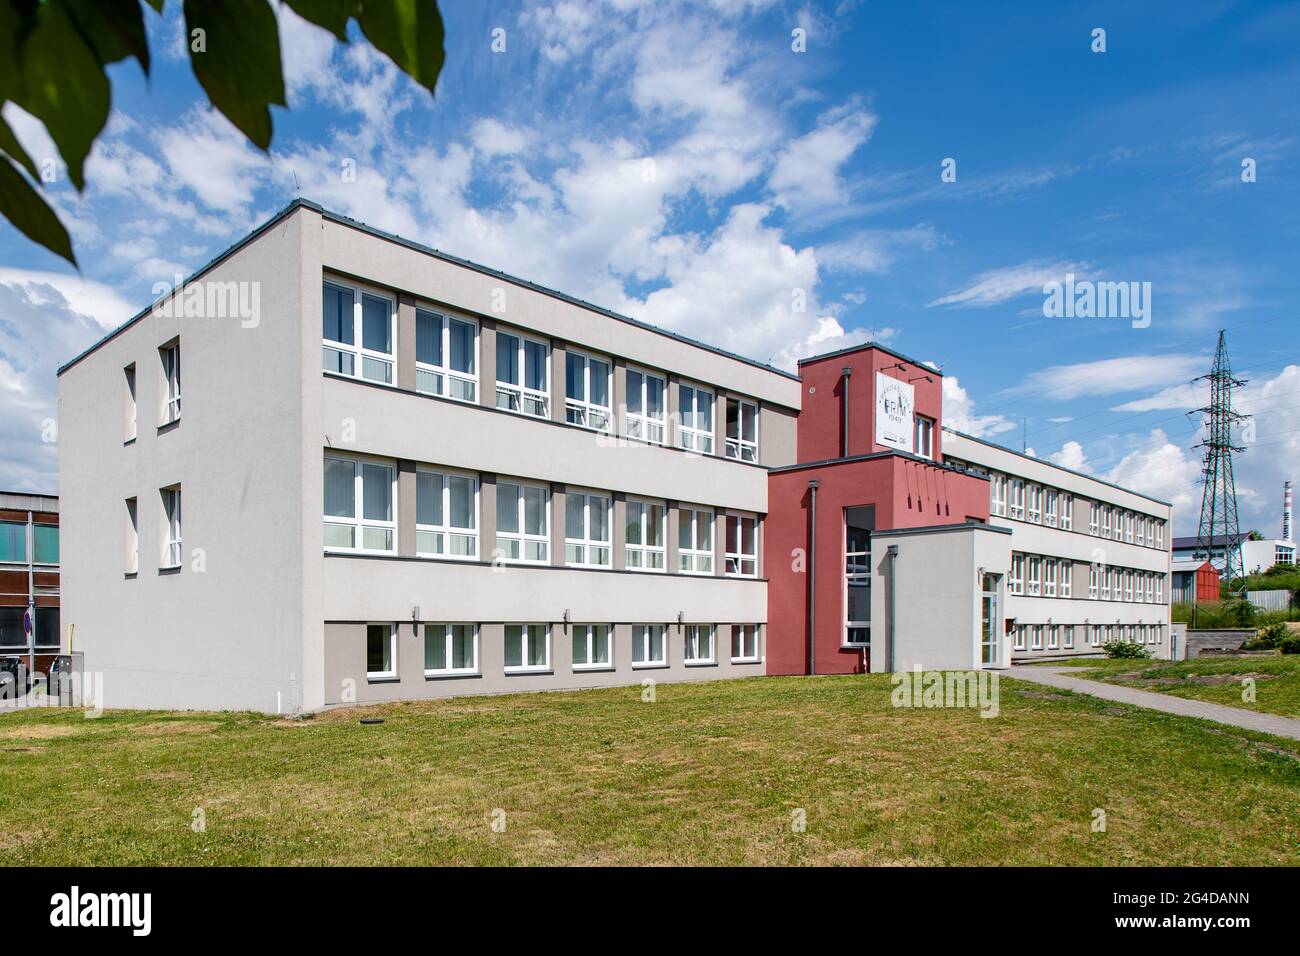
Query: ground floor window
point(857, 579)
point(698, 644)
point(1053, 637)
point(1037, 637)
point(1018, 640)
point(381, 651)
point(744, 642)
point(1094, 635)
point(1067, 636)
point(590, 645)
point(450, 649)
point(649, 647)
point(528, 647)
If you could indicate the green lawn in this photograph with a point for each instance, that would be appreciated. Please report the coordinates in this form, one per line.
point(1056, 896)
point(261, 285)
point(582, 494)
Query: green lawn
point(1216, 679)
point(709, 773)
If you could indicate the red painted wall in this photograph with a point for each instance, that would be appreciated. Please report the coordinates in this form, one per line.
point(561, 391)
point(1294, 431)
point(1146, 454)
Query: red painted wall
point(1207, 583)
point(822, 417)
point(906, 493)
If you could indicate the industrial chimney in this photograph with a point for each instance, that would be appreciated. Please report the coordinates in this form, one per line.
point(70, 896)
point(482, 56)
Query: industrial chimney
point(1286, 511)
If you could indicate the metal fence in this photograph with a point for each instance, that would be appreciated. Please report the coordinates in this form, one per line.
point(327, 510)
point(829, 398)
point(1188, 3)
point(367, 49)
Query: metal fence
point(1270, 600)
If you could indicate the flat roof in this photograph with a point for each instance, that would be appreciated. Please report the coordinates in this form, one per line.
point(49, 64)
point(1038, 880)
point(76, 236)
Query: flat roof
point(1050, 464)
point(871, 345)
point(446, 257)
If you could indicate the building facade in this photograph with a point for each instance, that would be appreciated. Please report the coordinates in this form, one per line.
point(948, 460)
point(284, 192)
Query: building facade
point(337, 467)
point(29, 579)
point(404, 476)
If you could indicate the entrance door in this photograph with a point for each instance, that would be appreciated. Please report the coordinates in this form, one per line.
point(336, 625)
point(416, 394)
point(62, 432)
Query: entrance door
point(990, 623)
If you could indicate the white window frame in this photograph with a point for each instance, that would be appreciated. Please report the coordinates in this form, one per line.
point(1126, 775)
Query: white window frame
point(1094, 581)
point(1049, 577)
point(1094, 635)
point(1094, 518)
point(386, 675)
point(693, 638)
point(582, 412)
point(1105, 582)
point(923, 437)
point(1033, 575)
point(132, 535)
point(519, 398)
point(641, 425)
point(747, 633)
point(1160, 535)
point(446, 649)
point(1065, 574)
point(172, 527)
point(523, 537)
point(1128, 585)
point(525, 645)
point(643, 632)
point(690, 437)
point(740, 448)
point(446, 378)
point(588, 633)
point(1160, 589)
point(358, 351)
point(446, 530)
point(1016, 579)
point(1051, 505)
point(1129, 519)
point(699, 559)
point(1035, 509)
point(587, 543)
point(1018, 637)
point(1105, 521)
point(1018, 498)
point(1053, 637)
point(735, 557)
point(357, 522)
point(1151, 532)
point(131, 410)
point(1036, 637)
point(1067, 636)
point(170, 356)
point(998, 495)
point(1151, 588)
point(648, 554)
point(1067, 511)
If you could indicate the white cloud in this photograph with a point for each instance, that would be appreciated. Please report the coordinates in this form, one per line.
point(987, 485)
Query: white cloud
point(1127, 373)
point(875, 250)
point(995, 286)
point(959, 412)
point(806, 176)
point(491, 137)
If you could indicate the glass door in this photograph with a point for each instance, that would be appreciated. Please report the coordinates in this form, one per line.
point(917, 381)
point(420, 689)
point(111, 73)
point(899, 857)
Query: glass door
point(990, 623)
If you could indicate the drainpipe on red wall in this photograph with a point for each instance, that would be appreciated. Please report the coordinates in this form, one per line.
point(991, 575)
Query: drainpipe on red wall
point(844, 431)
point(893, 572)
point(812, 578)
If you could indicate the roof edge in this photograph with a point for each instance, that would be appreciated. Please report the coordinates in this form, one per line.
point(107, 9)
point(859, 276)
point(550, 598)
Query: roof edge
point(871, 345)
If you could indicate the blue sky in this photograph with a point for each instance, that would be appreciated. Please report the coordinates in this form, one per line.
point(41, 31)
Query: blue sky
point(681, 163)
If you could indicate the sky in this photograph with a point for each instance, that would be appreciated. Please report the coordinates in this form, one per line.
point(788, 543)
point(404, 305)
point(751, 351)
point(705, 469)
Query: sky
point(779, 179)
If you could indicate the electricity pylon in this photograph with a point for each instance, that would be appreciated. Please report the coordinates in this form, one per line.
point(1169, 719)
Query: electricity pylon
point(1219, 499)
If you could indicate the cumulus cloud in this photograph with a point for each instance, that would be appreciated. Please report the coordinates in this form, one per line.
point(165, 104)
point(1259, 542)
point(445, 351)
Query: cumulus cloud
point(959, 412)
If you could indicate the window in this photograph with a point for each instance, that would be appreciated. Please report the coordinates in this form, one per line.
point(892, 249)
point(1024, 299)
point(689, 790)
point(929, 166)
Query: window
point(587, 529)
point(528, 647)
point(357, 330)
point(1016, 580)
point(132, 537)
point(522, 375)
point(1066, 570)
point(649, 647)
point(590, 646)
point(1141, 529)
point(1105, 583)
point(446, 509)
point(13, 541)
point(171, 537)
point(1018, 639)
point(1067, 511)
point(1128, 527)
point(1035, 504)
point(1094, 517)
point(857, 583)
point(1160, 589)
point(923, 429)
point(695, 541)
point(381, 651)
point(645, 406)
point(45, 544)
point(1034, 576)
point(1049, 577)
point(523, 531)
point(445, 349)
point(742, 430)
point(1160, 535)
point(1128, 585)
point(1050, 507)
point(1151, 588)
point(1093, 582)
point(586, 390)
point(1053, 637)
point(697, 644)
point(695, 406)
point(171, 370)
point(1017, 499)
point(998, 495)
point(450, 649)
point(1067, 636)
point(1037, 636)
point(744, 643)
point(645, 536)
point(742, 546)
point(128, 401)
point(1105, 521)
point(359, 505)
point(1094, 635)
point(1151, 532)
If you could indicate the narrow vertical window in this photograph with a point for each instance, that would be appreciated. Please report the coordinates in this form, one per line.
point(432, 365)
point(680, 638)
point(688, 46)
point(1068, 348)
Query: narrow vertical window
point(695, 541)
point(644, 549)
point(128, 402)
point(742, 546)
point(132, 537)
point(171, 377)
point(381, 651)
point(923, 438)
point(695, 407)
point(857, 582)
point(645, 406)
point(171, 537)
point(742, 430)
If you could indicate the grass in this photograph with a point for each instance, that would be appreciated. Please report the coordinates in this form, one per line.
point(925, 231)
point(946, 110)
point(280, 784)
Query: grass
point(1215, 679)
point(710, 773)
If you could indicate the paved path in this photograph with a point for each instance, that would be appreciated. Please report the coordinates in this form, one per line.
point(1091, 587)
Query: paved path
point(1234, 716)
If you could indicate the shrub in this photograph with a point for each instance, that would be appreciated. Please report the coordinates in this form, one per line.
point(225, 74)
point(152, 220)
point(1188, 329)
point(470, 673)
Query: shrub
point(1128, 650)
point(1291, 645)
point(1268, 637)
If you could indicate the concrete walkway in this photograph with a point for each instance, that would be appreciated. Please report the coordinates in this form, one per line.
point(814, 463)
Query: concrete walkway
point(1233, 716)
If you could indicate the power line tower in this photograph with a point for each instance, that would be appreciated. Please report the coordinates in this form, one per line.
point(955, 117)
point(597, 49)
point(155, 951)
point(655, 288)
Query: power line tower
point(1219, 498)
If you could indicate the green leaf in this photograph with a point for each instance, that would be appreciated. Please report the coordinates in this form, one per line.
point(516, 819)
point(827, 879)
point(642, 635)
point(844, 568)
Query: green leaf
point(114, 29)
point(410, 32)
point(10, 145)
point(62, 83)
point(23, 206)
point(157, 5)
point(239, 66)
point(333, 15)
